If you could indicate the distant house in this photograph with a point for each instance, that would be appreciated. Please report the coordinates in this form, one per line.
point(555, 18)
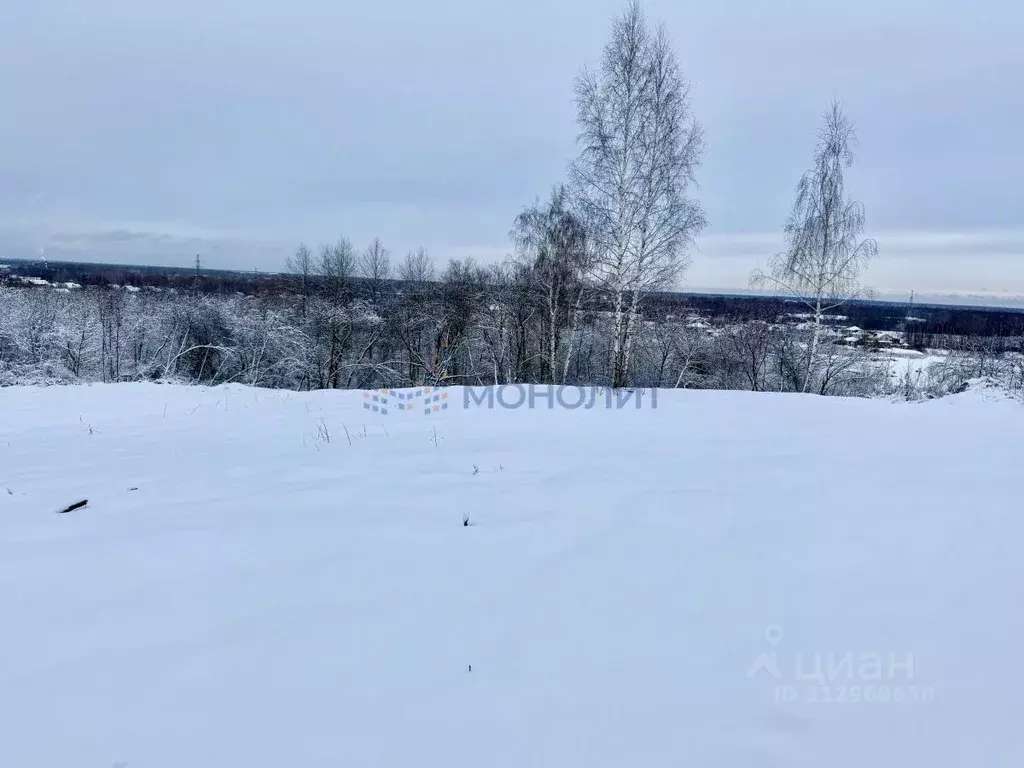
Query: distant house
point(37, 282)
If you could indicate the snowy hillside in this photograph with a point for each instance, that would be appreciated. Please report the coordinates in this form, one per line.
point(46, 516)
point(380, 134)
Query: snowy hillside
point(269, 578)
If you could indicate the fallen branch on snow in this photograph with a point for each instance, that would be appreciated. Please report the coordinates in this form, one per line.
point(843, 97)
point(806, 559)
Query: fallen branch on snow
point(73, 507)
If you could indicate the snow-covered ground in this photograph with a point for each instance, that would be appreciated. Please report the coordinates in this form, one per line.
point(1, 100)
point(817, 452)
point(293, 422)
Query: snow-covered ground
point(250, 586)
point(903, 362)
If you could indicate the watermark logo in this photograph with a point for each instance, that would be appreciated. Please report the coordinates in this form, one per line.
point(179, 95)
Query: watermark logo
point(842, 677)
point(426, 400)
point(429, 400)
point(768, 662)
point(530, 396)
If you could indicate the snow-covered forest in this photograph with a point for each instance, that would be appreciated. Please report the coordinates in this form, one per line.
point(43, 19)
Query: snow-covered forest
point(472, 325)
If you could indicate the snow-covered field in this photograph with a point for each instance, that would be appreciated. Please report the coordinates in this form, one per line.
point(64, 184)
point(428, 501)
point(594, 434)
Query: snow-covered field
point(904, 362)
point(653, 587)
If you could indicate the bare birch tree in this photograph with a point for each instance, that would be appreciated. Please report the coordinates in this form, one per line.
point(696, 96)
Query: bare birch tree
point(338, 267)
point(825, 256)
point(413, 317)
point(300, 265)
point(417, 269)
point(375, 268)
point(553, 240)
point(640, 149)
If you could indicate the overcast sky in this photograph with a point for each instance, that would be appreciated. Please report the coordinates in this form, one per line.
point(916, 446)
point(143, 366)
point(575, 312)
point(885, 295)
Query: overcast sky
point(148, 132)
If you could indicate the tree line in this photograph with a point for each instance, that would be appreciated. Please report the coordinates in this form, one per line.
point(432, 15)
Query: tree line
point(469, 325)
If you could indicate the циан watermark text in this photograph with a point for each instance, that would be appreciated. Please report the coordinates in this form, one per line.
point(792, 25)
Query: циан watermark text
point(839, 677)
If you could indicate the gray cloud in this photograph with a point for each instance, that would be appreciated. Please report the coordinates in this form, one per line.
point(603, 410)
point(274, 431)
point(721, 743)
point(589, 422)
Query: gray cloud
point(238, 128)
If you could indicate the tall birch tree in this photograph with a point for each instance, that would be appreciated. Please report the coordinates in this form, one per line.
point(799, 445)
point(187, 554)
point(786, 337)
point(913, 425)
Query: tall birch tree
point(640, 147)
point(825, 257)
